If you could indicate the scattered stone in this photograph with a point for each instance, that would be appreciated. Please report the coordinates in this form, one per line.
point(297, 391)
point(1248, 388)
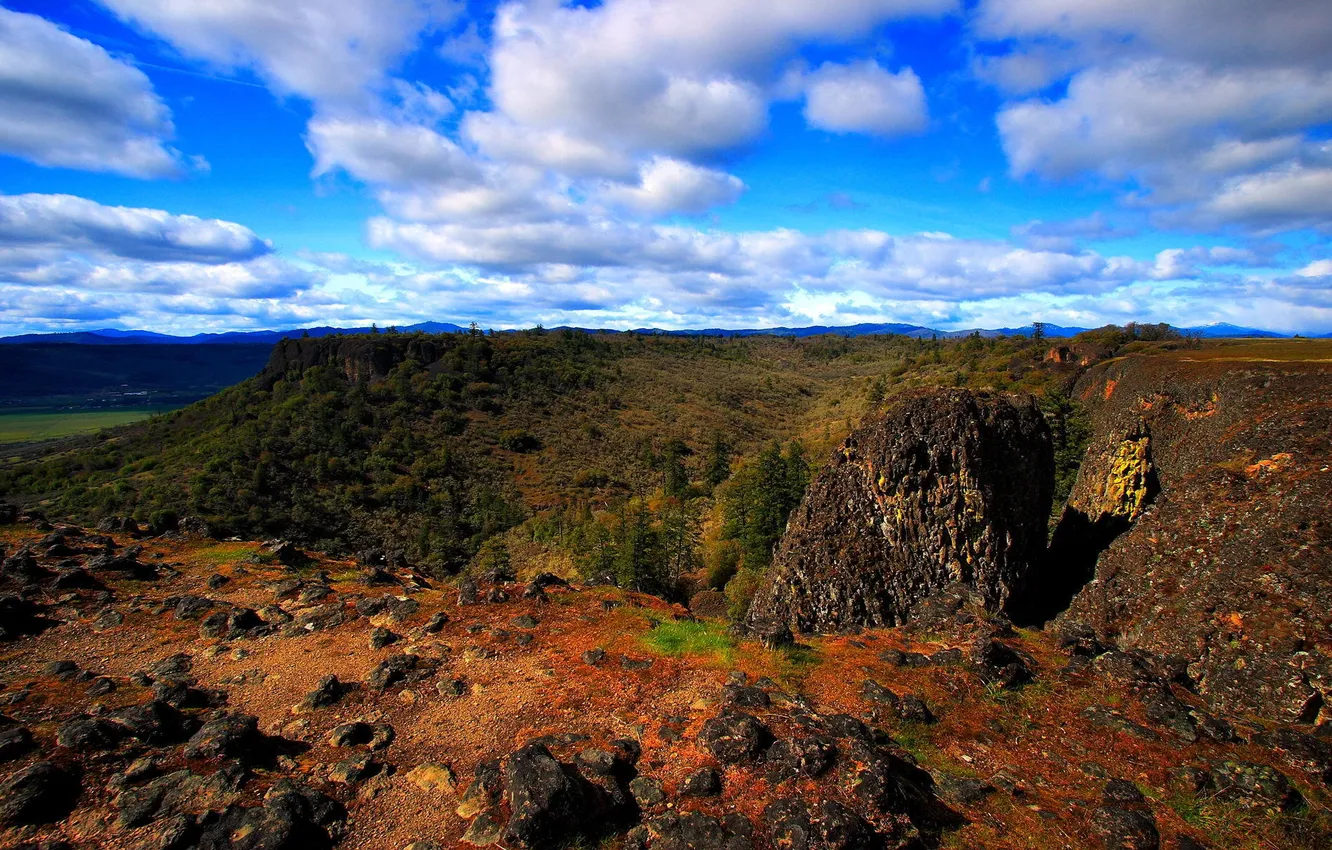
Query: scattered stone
point(61, 669)
point(326, 693)
point(468, 593)
point(101, 686)
point(432, 776)
point(273, 615)
point(594, 656)
point(772, 634)
point(380, 577)
point(108, 619)
point(229, 735)
point(359, 733)
point(545, 804)
point(14, 742)
point(1000, 664)
point(734, 738)
point(525, 621)
point(39, 793)
point(451, 687)
point(192, 607)
point(694, 831)
point(392, 670)
point(792, 758)
point(483, 831)
point(353, 770)
point(647, 791)
point(231, 624)
point(914, 709)
point(1255, 785)
point(704, 782)
point(1302, 751)
point(635, 665)
point(381, 637)
point(176, 794)
point(154, 723)
point(1125, 829)
point(826, 825)
point(84, 734)
point(483, 792)
point(436, 623)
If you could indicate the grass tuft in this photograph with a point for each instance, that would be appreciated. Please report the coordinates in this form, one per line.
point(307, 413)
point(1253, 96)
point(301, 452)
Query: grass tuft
point(679, 638)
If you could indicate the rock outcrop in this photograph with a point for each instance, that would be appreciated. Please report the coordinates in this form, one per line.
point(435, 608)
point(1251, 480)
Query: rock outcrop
point(1229, 566)
point(945, 487)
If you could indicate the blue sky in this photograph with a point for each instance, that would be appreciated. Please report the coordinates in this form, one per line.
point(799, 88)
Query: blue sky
point(245, 164)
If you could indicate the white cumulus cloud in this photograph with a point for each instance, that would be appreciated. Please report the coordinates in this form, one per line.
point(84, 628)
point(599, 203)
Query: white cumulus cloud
point(333, 50)
point(864, 97)
point(66, 102)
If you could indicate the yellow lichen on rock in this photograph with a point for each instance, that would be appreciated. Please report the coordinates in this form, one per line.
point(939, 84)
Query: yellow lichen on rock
point(1125, 489)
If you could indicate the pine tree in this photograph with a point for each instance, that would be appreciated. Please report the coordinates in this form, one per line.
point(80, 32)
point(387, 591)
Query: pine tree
point(719, 461)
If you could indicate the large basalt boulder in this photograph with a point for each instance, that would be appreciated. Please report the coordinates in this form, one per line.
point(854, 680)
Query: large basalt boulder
point(945, 487)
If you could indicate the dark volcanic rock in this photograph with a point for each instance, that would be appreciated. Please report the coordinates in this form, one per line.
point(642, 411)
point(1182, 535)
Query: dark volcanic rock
point(1000, 664)
point(326, 693)
point(734, 738)
point(153, 722)
point(545, 804)
point(83, 734)
point(1125, 829)
point(40, 793)
point(392, 670)
point(704, 782)
point(827, 825)
point(19, 617)
point(14, 742)
point(945, 486)
point(692, 831)
point(226, 736)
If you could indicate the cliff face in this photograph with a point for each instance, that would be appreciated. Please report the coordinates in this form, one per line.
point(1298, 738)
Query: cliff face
point(359, 358)
point(945, 487)
point(1229, 566)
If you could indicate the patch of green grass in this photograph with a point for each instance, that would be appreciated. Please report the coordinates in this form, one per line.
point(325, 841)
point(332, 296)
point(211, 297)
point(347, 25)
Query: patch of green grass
point(695, 638)
point(1227, 824)
point(794, 664)
point(915, 739)
point(222, 553)
point(30, 426)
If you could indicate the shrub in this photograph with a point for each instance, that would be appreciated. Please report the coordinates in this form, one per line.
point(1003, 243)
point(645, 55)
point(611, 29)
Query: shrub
point(163, 520)
point(740, 592)
point(723, 560)
point(518, 440)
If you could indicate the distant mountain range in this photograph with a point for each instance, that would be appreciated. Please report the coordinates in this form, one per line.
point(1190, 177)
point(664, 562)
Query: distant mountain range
point(112, 336)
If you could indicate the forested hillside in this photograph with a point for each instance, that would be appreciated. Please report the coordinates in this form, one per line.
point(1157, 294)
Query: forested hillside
point(630, 458)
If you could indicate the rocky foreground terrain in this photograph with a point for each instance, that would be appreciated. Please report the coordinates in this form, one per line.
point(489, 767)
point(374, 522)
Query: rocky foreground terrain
point(182, 692)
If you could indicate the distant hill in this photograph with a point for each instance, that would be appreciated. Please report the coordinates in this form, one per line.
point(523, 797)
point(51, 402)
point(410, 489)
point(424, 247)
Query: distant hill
point(131, 374)
point(112, 336)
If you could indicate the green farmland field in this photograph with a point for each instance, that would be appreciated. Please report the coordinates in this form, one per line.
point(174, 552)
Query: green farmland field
point(29, 425)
